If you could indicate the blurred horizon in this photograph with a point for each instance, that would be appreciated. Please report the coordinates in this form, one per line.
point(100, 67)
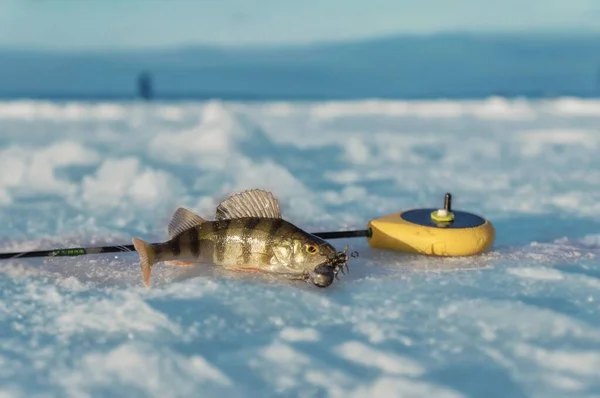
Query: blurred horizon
point(455, 66)
point(147, 24)
point(543, 35)
point(264, 49)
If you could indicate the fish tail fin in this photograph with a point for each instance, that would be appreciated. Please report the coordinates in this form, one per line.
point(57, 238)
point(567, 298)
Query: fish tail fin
point(147, 258)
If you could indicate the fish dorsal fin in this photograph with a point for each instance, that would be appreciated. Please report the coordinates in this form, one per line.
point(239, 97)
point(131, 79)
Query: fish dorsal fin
point(182, 220)
point(250, 203)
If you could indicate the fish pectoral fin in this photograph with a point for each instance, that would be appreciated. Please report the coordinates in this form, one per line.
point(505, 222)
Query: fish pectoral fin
point(179, 263)
point(182, 220)
point(250, 203)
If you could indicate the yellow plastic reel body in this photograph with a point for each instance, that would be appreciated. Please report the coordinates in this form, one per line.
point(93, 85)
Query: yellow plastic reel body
point(414, 231)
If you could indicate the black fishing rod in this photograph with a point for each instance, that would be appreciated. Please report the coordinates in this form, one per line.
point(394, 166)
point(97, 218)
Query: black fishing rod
point(82, 251)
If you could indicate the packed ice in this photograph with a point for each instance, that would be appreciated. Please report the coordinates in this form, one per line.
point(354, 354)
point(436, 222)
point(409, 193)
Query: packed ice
point(521, 320)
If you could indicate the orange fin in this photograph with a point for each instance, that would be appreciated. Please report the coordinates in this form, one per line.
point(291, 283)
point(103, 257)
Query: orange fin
point(147, 258)
point(179, 263)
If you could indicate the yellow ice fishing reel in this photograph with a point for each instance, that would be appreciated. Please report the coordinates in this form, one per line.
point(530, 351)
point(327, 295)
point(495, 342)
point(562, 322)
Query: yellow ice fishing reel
point(435, 232)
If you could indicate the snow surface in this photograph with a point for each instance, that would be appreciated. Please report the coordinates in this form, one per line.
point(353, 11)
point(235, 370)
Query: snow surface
point(522, 320)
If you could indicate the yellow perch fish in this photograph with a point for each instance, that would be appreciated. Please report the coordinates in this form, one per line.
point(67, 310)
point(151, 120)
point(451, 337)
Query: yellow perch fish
point(248, 234)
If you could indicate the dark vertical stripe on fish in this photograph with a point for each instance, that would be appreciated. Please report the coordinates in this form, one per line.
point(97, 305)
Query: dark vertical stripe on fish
point(275, 226)
point(194, 239)
point(220, 231)
point(158, 250)
point(249, 227)
point(176, 245)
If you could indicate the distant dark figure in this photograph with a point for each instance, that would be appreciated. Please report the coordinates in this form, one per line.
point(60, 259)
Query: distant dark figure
point(145, 86)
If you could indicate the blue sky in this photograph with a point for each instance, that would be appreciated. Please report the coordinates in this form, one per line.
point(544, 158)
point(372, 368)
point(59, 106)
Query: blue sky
point(105, 24)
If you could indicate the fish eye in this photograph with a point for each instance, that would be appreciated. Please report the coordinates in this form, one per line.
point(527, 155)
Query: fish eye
point(311, 249)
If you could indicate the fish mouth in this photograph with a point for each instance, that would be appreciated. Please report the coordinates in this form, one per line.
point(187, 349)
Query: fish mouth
point(324, 273)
